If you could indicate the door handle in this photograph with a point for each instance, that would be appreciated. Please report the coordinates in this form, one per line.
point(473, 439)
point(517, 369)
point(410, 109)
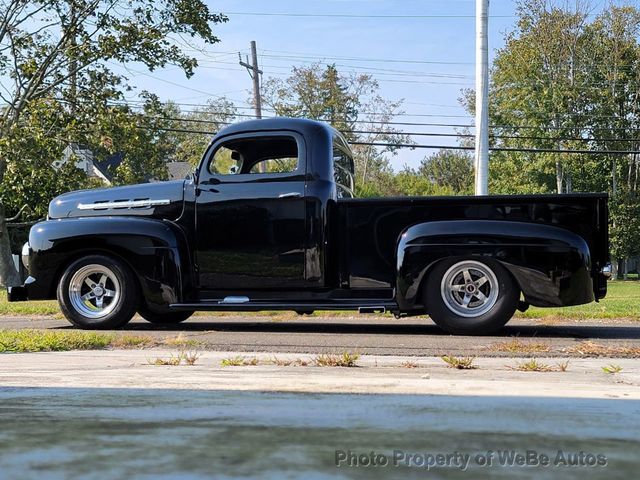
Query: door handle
point(290, 195)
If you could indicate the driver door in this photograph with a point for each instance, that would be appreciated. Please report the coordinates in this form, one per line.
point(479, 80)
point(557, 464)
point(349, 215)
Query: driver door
point(250, 214)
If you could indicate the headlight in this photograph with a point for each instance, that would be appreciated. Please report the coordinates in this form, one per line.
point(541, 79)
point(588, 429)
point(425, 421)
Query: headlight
point(26, 251)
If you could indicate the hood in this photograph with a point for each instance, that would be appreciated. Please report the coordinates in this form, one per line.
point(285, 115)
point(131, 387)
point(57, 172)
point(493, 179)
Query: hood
point(159, 200)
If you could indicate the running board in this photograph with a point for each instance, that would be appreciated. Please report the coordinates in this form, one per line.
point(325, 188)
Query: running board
point(239, 304)
point(376, 309)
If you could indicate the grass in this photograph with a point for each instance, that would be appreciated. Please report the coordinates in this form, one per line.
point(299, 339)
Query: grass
point(173, 361)
point(46, 307)
point(612, 369)
point(344, 360)
point(594, 349)
point(31, 340)
point(189, 358)
point(534, 365)
point(622, 301)
point(460, 363)
point(239, 362)
point(181, 342)
point(289, 363)
point(515, 345)
point(132, 341)
point(22, 341)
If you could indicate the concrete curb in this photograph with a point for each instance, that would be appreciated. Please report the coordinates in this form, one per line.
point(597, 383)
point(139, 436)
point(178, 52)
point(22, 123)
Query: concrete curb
point(584, 378)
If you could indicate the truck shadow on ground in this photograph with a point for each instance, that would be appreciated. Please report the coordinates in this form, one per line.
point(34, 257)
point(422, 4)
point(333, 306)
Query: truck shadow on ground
point(538, 331)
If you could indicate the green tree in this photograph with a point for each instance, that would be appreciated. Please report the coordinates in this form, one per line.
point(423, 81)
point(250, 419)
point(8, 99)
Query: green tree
point(352, 105)
point(217, 114)
point(64, 50)
point(563, 81)
point(451, 169)
point(30, 179)
point(625, 230)
point(539, 79)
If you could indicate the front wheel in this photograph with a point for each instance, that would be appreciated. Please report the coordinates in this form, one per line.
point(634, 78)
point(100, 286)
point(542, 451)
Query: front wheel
point(470, 296)
point(98, 292)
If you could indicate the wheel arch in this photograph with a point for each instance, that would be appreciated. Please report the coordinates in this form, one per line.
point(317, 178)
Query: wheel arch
point(549, 265)
point(155, 251)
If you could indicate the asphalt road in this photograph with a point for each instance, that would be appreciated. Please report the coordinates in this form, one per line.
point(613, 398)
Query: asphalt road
point(373, 335)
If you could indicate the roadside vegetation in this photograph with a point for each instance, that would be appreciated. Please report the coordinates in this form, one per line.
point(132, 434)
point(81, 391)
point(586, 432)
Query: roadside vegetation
point(612, 369)
point(239, 361)
point(589, 348)
point(19, 341)
point(33, 340)
point(534, 365)
point(344, 360)
point(622, 301)
point(184, 357)
point(459, 363)
point(516, 345)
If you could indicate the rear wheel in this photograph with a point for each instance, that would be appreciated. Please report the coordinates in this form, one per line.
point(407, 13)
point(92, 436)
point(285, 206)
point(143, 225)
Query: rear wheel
point(470, 296)
point(163, 318)
point(98, 292)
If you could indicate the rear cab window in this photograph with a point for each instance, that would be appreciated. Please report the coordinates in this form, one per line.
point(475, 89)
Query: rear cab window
point(343, 168)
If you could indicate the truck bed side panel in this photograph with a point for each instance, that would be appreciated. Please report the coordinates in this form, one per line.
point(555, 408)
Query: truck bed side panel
point(371, 227)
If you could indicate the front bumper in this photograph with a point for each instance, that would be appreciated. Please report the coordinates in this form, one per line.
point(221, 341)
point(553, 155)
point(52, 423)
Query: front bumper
point(17, 294)
point(20, 293)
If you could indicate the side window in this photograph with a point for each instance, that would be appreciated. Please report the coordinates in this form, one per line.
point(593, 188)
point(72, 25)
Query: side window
point(256, 155)
point(225, 162)
point(275, 165)
point(343, 172)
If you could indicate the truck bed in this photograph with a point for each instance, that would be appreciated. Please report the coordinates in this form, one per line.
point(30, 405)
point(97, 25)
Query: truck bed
point(369, 228)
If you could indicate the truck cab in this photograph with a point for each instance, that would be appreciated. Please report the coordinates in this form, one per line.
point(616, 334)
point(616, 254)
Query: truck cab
point(268, 221)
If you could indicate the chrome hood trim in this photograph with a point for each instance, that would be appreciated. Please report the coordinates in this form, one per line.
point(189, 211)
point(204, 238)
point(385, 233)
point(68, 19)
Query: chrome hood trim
point(158, 200)
point(124, 204)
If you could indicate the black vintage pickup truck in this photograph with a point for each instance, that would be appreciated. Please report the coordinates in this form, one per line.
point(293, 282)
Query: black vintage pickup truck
point(268, 222)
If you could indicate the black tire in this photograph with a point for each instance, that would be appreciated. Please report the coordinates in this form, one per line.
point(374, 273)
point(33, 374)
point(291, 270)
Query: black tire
point(163, 318)
point(120, 282)
point(446, 292)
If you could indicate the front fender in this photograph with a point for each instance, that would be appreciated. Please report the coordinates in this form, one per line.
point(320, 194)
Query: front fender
point(156, 251)
point(552, 266)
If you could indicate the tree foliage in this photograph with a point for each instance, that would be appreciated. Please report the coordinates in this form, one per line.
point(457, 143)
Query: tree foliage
point(351, 104)
point(64, 52)
point(568, 80)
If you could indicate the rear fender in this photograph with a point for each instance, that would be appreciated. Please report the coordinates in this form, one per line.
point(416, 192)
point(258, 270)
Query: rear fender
point(551, 266)
point(156, 251)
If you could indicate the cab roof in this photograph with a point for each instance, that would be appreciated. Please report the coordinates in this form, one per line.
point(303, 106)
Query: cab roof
point(301, 125)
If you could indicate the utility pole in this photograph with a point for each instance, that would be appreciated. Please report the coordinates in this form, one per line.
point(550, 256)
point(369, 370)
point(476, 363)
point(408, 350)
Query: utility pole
point(482, 97)
point(254, 73)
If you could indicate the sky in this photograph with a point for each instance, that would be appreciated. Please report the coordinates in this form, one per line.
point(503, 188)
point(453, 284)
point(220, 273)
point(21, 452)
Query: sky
point(421, 51)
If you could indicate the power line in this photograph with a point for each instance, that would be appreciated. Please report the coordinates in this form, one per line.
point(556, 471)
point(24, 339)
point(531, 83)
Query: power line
point(295, 55)
point(349, 15)
point(454, 125)
point(434, 147)
point(415, 134)
point(503, 149)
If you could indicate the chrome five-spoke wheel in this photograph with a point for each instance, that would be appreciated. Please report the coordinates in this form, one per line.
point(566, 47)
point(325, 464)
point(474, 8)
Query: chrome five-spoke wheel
point(98, 292)
point(470, 296)
point(469, 288)
point(94, 291)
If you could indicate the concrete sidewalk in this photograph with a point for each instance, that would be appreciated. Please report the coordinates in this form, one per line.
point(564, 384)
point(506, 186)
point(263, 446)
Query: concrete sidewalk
point(584, 378)
point(111, 415)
